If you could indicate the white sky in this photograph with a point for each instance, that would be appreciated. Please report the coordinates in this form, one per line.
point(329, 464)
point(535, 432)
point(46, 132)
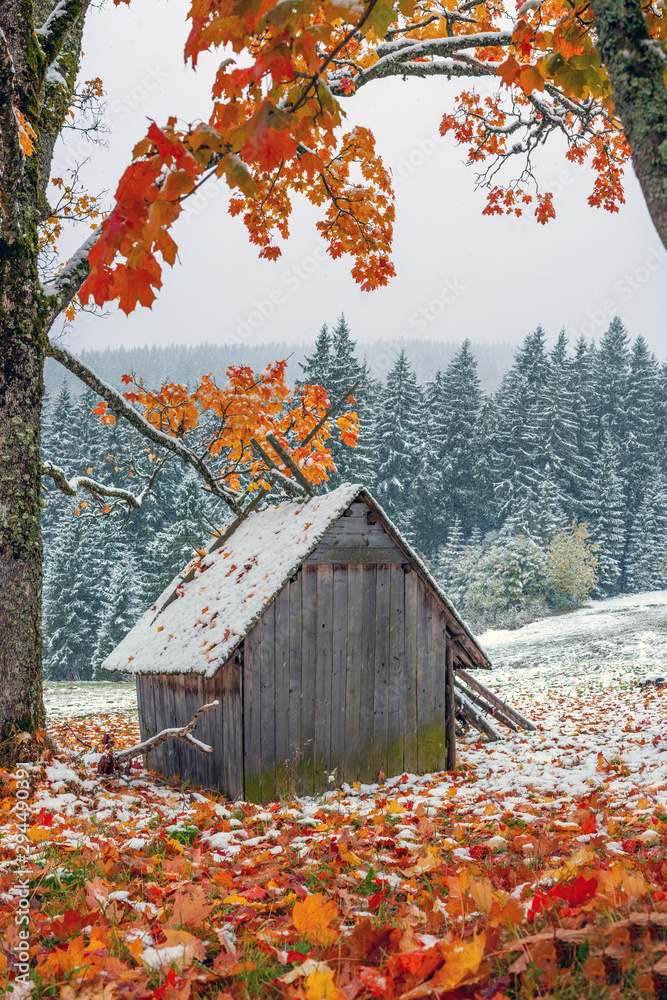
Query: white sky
point(458, 273)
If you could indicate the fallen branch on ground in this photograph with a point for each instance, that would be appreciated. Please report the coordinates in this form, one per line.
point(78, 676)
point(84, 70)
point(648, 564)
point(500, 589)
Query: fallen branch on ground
point(110, 762)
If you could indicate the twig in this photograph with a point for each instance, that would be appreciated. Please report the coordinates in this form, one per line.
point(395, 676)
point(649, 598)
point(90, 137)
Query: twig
point(67, 726)
point(332, 409)
point(169, 734)
point(290, 463)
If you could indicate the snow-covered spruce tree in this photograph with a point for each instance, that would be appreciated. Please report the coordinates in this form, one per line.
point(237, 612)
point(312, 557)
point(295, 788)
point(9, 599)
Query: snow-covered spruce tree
point(611, 384)
point(546, 516)
point(399, 442)
point(72, 601)
point(353, 464)
point(646, 563)
point(518, 460)
point(608, 517)
point(448, 557)
point(505, 584)
point(486, 438)
point(583, 372)
point(122, 609)
point(563, 467)
point(184, 534)
point(316, 368)
point(461, 413)
point(642, 406)
point(429, 521)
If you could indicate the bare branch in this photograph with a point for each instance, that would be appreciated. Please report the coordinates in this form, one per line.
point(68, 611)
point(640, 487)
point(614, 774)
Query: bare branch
point(65, 285)
point(169, 734)
point(124, 409)
point(330, 412)
point(293, 488)
point(291, 464)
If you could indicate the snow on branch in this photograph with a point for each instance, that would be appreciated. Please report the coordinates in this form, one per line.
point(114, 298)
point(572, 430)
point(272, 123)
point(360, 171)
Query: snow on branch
point(99, 490)
point(110, 762)
point(52, 34)
point(122, 408)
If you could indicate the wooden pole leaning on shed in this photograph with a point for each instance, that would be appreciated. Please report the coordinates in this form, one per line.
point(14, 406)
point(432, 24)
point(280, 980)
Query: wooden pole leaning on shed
point(501, 707)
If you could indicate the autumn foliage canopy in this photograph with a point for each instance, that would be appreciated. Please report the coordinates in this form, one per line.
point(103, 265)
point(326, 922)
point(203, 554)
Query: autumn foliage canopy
point(276, 125)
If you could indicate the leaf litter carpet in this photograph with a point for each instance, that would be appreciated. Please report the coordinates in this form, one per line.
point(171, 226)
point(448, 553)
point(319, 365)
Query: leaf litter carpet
point(539, 869)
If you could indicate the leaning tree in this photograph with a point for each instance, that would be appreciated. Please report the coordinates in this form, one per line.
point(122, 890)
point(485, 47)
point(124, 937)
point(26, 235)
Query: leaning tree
point(591, 72)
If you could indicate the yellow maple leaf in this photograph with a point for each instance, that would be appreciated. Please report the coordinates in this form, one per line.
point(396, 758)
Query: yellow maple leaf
point(37, 833)
point(312, 917)
point(321, 986)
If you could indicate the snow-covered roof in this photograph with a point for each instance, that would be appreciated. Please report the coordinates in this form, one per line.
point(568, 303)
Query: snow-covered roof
point(200, 618)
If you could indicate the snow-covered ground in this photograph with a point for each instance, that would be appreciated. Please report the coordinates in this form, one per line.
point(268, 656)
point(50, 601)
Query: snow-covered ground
point(605, 643)
point(574, 675)
point(79, 698)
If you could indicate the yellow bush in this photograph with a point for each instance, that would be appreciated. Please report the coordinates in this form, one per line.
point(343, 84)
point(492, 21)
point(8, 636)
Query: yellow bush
point(571, 564)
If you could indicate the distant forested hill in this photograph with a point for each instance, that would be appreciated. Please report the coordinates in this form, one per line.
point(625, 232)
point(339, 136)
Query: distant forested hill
point(187, 363)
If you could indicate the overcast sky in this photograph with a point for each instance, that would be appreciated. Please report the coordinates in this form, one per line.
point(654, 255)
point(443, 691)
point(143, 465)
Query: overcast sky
point(458, 273)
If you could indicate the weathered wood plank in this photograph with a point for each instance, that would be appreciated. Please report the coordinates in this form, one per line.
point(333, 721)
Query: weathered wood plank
point(439, 683)
point(295, 668)
point(185, 763)
point(354, 555)
point(267, 697)
point(424, 676)
point(155, 759)
point(338, 670)
point(450, 707)
point(323, 675)
point(353, 673)
point(207, 729)
point(412, 597)
point(229, 690)
point(308, 678)
point(252, 722)
point(382, 653)
point(145, 709)
point(172, 715)
point(367, 692)
point(348, 529)
point(397, 672)
point(282, 686)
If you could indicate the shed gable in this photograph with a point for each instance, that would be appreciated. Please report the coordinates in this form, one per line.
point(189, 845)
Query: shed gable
point(358, 537)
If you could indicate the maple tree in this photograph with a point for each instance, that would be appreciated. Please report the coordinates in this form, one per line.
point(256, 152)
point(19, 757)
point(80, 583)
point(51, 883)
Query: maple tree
point(592, 73)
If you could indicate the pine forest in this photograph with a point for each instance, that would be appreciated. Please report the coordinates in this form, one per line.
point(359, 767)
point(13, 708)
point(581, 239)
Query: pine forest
point(525, 498)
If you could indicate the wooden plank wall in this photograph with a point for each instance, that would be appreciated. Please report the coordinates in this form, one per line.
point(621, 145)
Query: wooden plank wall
point(345, 670)
point(166, 700)
point(358, 671)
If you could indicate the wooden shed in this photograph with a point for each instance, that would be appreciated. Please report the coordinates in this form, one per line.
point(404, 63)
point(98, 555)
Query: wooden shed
point(327, 643)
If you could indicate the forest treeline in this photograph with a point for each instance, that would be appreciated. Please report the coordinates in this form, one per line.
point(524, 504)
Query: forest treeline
point(530, 497)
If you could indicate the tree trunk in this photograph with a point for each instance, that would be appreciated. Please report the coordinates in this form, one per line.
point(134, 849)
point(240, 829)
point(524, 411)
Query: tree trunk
point(22, 351)
point(635, 65)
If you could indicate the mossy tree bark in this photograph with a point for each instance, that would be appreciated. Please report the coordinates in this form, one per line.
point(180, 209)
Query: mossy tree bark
point(26, 312)
point(636, 65)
